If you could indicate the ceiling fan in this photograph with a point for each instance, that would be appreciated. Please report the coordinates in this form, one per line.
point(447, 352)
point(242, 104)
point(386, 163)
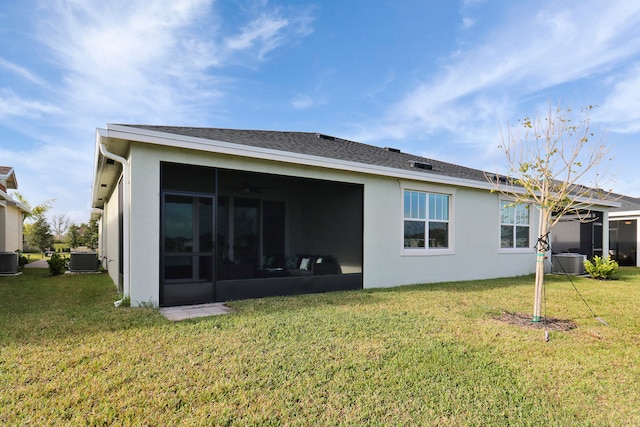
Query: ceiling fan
point(250, 189)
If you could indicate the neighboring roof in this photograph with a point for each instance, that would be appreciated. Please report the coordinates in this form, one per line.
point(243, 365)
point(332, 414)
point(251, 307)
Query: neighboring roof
point(8, 181)
point(8, 175)
point(317, 144)
point(627, 203)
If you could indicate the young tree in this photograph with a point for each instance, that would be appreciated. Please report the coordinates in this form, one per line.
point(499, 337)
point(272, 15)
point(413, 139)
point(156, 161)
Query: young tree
point(92, 234)
point(39, 234)
point(548, 157)
point(37, 210)
point(73, 236)
point(59, 224)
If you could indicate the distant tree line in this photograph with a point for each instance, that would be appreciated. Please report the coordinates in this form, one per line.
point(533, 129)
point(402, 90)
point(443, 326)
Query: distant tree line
point(42, 234)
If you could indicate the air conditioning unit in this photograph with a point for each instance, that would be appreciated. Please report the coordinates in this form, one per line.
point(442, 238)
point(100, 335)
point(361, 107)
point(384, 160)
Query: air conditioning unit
point(8, 263)
point(568, 263)
point(83, 262)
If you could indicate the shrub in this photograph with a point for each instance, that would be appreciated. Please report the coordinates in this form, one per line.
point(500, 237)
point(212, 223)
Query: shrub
point(22, 260)
point(57, 264)
point(601, 268)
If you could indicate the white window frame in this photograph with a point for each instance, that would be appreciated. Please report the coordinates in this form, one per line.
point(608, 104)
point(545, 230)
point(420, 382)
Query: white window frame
point(511, 250)
point(429, 189)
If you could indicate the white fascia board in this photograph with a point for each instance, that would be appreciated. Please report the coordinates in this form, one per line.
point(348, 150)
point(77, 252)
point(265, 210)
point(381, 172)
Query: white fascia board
point(580, 203)
point(97, 169)
point(11, 201)
point(222, 147)
point(624, 214)
point(102, 136)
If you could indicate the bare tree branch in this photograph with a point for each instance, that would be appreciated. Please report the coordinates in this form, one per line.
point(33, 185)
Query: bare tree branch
point(553, 164)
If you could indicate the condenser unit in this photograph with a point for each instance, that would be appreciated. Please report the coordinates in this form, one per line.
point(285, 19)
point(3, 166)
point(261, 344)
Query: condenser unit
point(568, 263)
point(83, 262)
point(8, 263)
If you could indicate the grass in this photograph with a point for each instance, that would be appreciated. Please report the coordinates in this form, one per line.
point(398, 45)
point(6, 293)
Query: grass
point(417, 355)
point(33, 256)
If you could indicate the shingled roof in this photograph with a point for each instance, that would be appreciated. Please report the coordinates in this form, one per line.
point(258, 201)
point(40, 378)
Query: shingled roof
point(8, 178)
point(627, 203)
point(320, 145)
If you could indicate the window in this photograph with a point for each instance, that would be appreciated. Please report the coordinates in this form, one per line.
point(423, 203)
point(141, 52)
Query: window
point(514, 225)
point(426, 220)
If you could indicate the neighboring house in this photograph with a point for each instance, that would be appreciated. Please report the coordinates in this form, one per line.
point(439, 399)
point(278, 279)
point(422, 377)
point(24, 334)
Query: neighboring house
point(585, 235)
point(11, 213)
point(192, 215)
point(580, 234)
point(624, 233)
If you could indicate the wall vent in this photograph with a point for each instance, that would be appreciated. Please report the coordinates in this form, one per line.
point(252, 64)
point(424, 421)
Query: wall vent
point(110, 161)
point(422, 165)
point(323, 136)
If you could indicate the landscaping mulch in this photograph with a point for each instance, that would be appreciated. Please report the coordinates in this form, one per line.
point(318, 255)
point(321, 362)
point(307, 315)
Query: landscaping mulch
point(548, 323)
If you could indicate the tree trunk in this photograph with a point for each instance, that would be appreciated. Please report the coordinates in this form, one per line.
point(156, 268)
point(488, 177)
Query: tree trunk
point(537, 301)
point(541, 252)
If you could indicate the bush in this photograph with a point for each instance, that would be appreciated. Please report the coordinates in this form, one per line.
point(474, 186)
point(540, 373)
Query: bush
point(57, 264)
point(22, 260)
point(601, 268)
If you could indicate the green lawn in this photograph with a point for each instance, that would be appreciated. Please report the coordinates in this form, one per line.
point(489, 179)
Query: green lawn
point(418, 355)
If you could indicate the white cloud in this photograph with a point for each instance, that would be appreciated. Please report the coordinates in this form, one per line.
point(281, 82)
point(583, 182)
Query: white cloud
point(21, 71)
point(264, 32)
point(532, 52)
point(13, 105)
point(302, 102)
point(134, 61)
point(132, 56)
point(267, 32)
point(620, 111)
point(155, 61)
point(54, 170)
point(468, 22)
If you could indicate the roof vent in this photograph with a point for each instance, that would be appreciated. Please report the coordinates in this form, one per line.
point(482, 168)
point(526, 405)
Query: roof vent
point(323, 136)
point(392, 150)
point(500, 179)
point(421, 165)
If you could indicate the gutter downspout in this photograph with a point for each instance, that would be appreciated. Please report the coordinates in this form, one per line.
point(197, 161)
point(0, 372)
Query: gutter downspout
point(126, 272)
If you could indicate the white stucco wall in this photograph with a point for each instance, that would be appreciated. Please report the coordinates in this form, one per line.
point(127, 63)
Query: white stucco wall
point(109, 251)
point(3, 227)
point(145, 223)
point(474, 251)
point(11, 222)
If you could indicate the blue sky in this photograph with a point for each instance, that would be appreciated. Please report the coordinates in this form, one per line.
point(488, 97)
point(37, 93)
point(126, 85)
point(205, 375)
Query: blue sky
point(434, 78)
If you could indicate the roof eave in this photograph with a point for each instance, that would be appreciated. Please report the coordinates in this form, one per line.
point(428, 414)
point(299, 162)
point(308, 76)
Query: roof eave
point(222, 147)
point(102, 185)
point(623, 214)
point(10, 200)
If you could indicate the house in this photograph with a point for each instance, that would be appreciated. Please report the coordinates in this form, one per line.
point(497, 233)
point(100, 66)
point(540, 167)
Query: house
point(580, 233)
point(624, 233)
point(190, 215)
point(11, 213)
point(585, 234)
